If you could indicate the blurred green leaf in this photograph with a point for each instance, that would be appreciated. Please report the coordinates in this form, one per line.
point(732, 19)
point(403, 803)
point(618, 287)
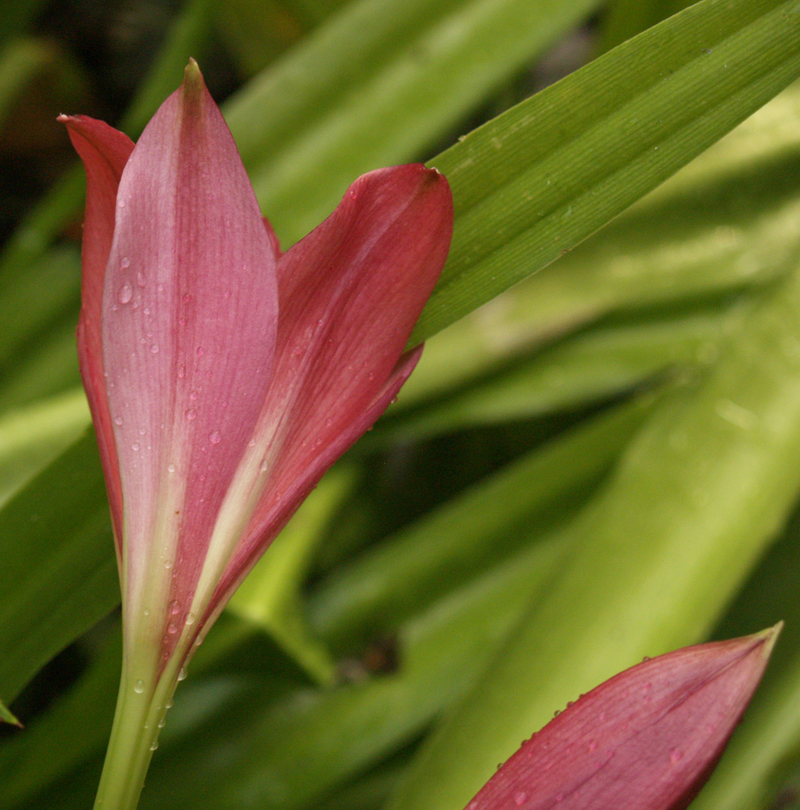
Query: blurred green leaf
point(534, 182)
point(400, 575)
point(590, 366)
point(59, 573)
point(376, 85)
point(32, 437)
point(270, 596)
point(7, 717)
point(695, 500)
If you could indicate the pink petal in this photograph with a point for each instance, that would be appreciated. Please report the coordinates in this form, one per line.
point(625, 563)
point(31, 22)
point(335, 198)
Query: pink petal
point(189, 320)
point(104, 152)
point(646, 739)
point(350, 294)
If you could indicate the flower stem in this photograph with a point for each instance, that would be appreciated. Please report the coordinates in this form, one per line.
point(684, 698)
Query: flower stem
point(134, 736)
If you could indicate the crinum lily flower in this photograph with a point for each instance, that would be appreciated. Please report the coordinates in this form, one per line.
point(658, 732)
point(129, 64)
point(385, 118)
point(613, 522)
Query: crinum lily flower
point(647, 739)
point(224, 377)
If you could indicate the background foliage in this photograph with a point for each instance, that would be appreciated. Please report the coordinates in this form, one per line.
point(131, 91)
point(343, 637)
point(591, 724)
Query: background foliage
point(591, 464)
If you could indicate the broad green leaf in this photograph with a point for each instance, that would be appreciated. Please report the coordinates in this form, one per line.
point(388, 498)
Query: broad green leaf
point(59, 573)
point(32, 437)
point(695, 500)
point(545, 175)
point(399, 576)
point(728, 220)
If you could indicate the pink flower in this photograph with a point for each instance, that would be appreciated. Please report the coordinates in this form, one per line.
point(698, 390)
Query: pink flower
point(225, 377)
point(645, 740)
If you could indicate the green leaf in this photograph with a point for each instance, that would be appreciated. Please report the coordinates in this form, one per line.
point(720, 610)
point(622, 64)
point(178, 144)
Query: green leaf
point(534, 182)
point(588, 367)
point(728, 220)
point(32, 437)
point(398, 576)
point(695, 500)
point(270, 596)
point(374, 86)
point(59, 573)
point(7, 717)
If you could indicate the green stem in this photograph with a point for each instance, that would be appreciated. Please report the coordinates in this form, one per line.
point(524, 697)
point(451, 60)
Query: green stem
point(138, 720)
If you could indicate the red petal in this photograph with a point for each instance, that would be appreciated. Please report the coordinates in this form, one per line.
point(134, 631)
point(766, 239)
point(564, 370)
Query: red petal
point(646, 739)
point(189, 320)
point(104, 152)
point(350, 294)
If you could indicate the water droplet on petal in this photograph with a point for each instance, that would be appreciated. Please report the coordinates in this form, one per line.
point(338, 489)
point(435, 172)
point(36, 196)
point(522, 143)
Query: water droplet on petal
point(520, 798)
point(675, 755)
point(190, 618)
point(117, 420)
point(121, 203)
point(167, 564)
point(174, 608)
point(125, 262)
point(154, 745)
point(154, 349)
point(214, 437)
point(138, 687)
point(140, 279)
point(182, 674)
point(162, 722)
point(136, 447)
point(191, 413)
point(125, 293)
point(170, 468)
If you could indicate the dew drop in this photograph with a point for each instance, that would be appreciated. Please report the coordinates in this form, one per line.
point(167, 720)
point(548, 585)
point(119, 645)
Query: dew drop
point(136, 447)
point(172, 628)
point(520, 798)
point(168, 704)
point(125, 262)
point(147, 611)
point(142, 431)
point(121, 203)
point(181, 372)
point(182, 674)
point(125, 293)
point(162, 722)
point(154, 745)
point(167, 564)
point(190, 618)
point(193, 395)
point(140, 279)
point(138, 687)
point(118, 420)
point(200, 351)
point(675, 755)
point(174, 608)
point(170, 468)
point(191, 413)
point(154, 349)
point(214, 437)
